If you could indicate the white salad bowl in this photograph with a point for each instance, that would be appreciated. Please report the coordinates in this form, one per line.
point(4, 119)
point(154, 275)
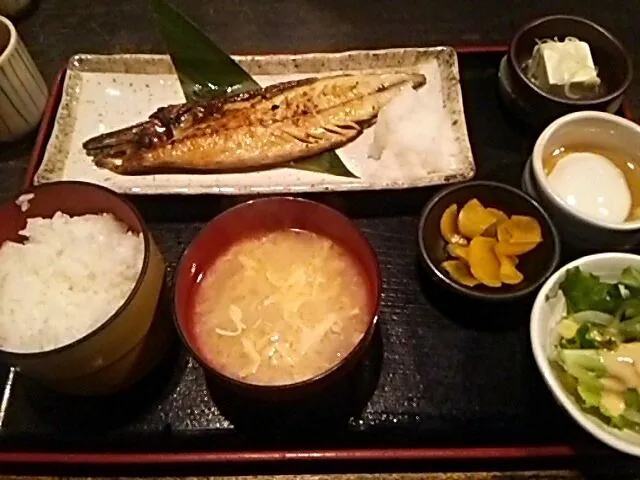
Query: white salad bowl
point(548, 309)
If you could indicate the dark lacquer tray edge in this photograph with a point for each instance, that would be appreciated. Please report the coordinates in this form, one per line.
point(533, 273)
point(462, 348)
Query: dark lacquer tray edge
point(45, 128)
point(270, 456)
point(498, 452)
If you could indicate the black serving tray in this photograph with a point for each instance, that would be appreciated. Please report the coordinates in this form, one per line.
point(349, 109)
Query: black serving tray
point(444, 379)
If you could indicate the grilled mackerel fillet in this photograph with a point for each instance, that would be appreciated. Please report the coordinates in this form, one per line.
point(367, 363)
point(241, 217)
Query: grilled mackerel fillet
point(273, 125)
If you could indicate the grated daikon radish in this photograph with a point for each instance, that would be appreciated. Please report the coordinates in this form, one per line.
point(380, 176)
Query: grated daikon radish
point(408, 130)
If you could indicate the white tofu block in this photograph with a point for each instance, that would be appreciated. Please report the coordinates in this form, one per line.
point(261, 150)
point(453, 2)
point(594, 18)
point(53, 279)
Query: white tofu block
point(564, 66)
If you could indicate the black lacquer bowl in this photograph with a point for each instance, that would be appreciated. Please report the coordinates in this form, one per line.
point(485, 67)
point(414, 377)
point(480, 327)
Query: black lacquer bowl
point(538, 107)
point(536, 266)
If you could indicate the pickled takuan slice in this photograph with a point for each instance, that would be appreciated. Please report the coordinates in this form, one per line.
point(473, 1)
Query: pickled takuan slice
point(459, 271)
point(474, 219)
point(483, 261)
point(509, 274)
point(499, 215)
point(520, 229)
point(449, 225)
point(508, 249)
point(458, 251)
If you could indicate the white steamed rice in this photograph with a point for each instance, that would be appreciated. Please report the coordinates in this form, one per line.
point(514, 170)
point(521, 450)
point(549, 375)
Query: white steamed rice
point(65, 280)
point(23, 201)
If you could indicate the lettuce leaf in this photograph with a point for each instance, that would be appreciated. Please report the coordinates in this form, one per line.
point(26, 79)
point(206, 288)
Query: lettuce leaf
point(585, 291)
point(630, 277)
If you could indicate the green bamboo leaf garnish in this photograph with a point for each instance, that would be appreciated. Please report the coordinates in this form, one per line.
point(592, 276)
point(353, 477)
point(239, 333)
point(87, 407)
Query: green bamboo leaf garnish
point(328, 162)
point(207, 72)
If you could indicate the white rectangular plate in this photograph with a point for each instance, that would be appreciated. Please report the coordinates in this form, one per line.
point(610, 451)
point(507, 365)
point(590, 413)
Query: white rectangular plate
point(106, 92)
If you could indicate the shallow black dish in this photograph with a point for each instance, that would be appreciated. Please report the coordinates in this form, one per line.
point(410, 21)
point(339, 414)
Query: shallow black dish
point(609, 55)
point(536, 266)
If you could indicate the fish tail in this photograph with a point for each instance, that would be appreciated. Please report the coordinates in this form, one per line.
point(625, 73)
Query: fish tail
point(390, 81)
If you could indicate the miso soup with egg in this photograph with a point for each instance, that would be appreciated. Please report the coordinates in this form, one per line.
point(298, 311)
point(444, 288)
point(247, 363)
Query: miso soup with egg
point(600, 183)
point(281, 308)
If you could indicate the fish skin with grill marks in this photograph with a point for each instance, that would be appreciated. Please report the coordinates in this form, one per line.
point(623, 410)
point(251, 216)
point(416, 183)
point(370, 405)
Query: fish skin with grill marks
point(257, 129)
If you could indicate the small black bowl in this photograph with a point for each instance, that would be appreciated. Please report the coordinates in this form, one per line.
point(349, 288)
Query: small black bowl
point(609, 55)
point(536, 265)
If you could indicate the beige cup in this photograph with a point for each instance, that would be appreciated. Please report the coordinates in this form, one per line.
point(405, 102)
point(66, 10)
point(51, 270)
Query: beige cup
point(23, 92)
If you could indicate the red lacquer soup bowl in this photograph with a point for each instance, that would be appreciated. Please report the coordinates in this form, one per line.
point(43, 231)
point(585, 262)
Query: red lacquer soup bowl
point(252, 219)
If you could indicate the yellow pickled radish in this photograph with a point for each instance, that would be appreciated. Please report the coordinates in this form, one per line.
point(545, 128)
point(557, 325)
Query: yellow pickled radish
point(514, 249)
point(474, 219)
point(449, 225)
point(500, 217)
point(459, 271)
point(509, 274)
point(483, 261)
point(520, 229)
point(458, 251)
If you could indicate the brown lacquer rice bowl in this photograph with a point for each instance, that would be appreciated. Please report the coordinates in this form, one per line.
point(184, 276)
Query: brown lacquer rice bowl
point(128, 343)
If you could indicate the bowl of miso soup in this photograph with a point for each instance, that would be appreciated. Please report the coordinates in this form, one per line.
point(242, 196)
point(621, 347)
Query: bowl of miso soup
point(278, 297)
point(586, 173)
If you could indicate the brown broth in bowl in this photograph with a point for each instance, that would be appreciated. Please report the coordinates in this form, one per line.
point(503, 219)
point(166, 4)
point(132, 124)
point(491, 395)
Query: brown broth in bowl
point(281, 308)
point(627, 164)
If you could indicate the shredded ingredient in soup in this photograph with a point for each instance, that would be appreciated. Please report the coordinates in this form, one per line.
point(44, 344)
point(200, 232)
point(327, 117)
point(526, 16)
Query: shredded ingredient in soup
point(281, 308)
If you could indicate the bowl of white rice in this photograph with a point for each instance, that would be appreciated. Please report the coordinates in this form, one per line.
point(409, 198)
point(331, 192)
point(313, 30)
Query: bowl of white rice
point(80, 282)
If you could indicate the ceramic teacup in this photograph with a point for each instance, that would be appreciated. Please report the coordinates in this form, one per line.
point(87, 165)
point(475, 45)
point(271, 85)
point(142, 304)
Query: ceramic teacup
point(23, 91)
point(589, 129)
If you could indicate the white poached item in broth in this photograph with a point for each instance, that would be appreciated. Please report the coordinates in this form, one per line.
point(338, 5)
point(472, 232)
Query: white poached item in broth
point(281, 308)
point(599, 183)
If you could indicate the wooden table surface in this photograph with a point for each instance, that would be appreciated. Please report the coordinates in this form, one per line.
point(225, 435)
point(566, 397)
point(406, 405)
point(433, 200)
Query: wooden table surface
point(57, 29)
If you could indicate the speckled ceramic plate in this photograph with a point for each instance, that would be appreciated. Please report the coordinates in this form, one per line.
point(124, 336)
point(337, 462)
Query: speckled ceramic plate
point(106, 92)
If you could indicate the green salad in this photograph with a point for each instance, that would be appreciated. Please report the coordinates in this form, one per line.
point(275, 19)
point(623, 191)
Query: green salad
point(598, 352)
